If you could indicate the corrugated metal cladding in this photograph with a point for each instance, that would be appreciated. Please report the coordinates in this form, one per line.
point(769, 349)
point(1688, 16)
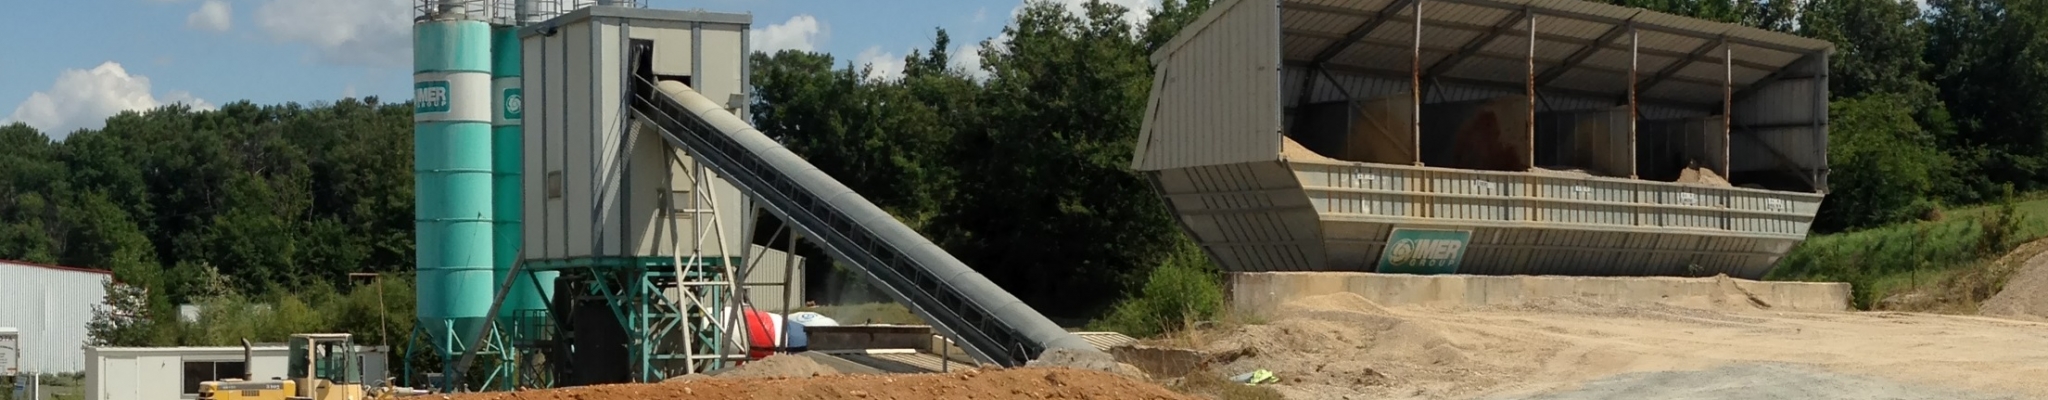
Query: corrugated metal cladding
point(1248, 216)
point(769, 270)
point(51, 306)
point(1215, 97)
point(1526, 223)
point(1784, 122)
point(595, 183)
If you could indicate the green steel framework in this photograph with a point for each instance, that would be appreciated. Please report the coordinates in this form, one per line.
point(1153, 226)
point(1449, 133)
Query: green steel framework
point(667, 333)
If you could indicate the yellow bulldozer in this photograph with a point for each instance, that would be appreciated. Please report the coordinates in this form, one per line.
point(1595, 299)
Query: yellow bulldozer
point(322, 367)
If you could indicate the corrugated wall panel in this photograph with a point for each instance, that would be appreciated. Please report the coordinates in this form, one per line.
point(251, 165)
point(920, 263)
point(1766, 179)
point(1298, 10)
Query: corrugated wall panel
point(578, 178)
point(1220, 101)
point(1787, 102)
point(1785, 123)
point(1539, 223)
point(1250, 217)
point(608, 180)
point(540, 77)
point(51, 307)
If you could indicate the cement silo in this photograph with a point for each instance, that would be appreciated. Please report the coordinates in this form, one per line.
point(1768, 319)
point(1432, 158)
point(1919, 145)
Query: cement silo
point(452, 172)
point(521, 298)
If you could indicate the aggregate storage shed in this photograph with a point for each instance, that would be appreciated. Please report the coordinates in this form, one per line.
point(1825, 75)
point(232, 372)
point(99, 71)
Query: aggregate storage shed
point(1307, 135)
point(50, 306)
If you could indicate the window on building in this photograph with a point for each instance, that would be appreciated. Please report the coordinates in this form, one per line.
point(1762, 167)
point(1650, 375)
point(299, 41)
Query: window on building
point(202, 371)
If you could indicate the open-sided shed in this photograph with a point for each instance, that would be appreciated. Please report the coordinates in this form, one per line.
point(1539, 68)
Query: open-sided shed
point(1488, 137)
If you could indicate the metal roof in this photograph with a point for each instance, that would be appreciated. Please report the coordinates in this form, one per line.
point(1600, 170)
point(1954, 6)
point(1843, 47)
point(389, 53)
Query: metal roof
point(1580, 46)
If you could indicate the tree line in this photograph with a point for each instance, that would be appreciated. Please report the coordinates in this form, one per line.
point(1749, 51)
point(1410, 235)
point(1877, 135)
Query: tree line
point(1018, 167)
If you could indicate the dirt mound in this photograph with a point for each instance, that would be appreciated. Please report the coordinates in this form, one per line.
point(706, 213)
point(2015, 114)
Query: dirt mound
point(1018, 383)
point(779, 366)
point(1099, 361)
point(1344, 345)
point(2025, 294)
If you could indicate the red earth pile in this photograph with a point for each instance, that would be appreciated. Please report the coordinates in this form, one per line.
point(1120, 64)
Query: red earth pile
point(1003, 384)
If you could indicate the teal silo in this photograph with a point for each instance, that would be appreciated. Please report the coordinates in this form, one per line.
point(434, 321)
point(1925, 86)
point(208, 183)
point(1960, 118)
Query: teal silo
point(506, 160)
point(452, 110)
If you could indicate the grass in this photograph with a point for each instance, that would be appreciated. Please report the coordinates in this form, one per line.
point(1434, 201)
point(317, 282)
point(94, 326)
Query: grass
point(1944, 266)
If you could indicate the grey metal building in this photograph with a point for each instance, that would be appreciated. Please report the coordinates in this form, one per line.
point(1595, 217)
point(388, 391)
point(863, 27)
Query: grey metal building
point(51, 306)
point(1486, 137)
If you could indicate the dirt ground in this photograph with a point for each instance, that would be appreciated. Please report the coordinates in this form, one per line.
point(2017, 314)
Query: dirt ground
point(1016, 383)
point(1343, 346)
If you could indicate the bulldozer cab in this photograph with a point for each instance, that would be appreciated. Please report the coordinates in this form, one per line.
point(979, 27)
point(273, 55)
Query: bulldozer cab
point(323, 360)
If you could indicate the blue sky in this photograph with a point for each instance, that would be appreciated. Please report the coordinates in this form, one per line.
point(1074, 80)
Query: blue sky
point(72, 63)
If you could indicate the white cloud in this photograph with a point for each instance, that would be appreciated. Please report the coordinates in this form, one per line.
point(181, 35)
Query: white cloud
point(800, 33)
point(981, 15)
point(353, 32)
point(85, 98)
point(348, 92)
point(1140, 10)
point(213, 15)
point(884, 65)
point(967, 58)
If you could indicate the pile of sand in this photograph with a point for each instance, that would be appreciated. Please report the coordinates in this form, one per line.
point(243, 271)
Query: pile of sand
point(779, 366)
point(1292, 150)
point(1089, 360)
point(1700, 175)
point(2025, 295)
point(1018, 383)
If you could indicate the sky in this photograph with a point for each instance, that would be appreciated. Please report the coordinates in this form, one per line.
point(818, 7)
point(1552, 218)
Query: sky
point(72, 64)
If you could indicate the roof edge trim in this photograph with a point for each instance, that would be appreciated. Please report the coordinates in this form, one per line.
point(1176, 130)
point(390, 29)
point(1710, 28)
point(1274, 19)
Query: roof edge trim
point(1195, 28)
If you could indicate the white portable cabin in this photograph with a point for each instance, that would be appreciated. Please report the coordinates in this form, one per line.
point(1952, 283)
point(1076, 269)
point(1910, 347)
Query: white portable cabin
point(167, 373)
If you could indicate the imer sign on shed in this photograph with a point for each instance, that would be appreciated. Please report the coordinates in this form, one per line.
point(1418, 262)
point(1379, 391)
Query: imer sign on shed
point(1424, 251)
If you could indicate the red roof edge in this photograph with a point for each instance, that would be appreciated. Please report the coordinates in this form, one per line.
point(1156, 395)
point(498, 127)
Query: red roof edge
point(58, 267)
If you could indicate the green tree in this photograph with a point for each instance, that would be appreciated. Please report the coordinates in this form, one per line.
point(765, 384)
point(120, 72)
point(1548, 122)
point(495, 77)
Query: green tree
point(1881, 160)
point(1988, 64)
point(1878, 45)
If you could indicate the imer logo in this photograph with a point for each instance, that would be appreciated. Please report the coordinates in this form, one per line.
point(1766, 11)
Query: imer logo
point(430, 97)
point(1420, 251)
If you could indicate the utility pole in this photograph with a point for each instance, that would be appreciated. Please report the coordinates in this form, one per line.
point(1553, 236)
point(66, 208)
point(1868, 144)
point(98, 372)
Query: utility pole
point(383, 313)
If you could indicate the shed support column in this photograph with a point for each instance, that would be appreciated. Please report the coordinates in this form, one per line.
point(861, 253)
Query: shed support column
point(1727, 103)
point(1530, 79)
point(1635, 40)
point(1415, 85)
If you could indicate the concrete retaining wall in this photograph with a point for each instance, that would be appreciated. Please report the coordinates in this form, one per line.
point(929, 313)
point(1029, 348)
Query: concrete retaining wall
point(1262, 293)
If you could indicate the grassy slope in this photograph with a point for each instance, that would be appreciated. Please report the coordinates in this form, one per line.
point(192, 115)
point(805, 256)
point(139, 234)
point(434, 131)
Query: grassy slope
point(1944, 266)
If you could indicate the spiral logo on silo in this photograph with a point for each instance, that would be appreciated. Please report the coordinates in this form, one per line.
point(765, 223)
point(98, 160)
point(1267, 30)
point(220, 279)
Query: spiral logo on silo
point(515, 104)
